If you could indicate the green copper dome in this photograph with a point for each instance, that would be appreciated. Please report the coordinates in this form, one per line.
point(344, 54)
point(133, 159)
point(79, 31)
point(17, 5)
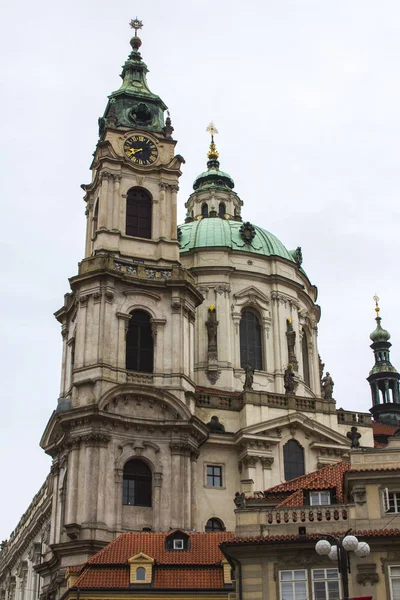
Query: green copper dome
point(213, 177)
point(379, 334)
point(215, 232)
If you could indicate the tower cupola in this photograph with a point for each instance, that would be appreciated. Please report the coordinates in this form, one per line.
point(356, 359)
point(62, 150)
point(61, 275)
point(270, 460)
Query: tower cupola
point(213, 189)
point(383, 377)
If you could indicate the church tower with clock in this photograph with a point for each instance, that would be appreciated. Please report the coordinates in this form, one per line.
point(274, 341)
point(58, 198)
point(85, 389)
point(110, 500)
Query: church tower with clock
point(190, 366)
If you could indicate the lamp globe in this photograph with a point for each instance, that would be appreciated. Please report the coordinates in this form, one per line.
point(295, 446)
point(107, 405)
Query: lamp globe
point(362, 549)
point(350, 542)
point(323, 547)
point(333, 553)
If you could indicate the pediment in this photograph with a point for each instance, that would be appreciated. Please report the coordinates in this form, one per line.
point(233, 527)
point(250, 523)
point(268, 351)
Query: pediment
point(324, 434)
point(141, 557)
point(251, 295)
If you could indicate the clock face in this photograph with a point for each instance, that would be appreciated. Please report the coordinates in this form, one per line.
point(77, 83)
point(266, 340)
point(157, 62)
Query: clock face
point(140, 150)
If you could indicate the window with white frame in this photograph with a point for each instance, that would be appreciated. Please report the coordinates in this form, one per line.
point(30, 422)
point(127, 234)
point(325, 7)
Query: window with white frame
point(325, 584)
point(391, 501)
point(293, 585)
point(321, 498)
point(394, 579)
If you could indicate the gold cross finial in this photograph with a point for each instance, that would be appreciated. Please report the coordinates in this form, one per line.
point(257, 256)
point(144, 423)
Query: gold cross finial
point(212, 153)
point(377, 309)
point(136, 24)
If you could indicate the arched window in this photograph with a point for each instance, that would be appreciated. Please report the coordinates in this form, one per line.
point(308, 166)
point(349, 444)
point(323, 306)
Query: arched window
point(293, 457)
point(95, 219)
point(136, 484)
point(204, 210)
point(250, 340)
point(306, 362)
point(138, 213)
point(221, 210)
point(214, 525)
point(139, 343)
point(140, 574)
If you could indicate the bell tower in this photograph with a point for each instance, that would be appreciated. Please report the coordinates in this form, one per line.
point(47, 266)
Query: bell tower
point(123, 438)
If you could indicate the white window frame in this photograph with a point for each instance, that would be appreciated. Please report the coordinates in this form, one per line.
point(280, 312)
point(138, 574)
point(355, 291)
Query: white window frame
point(391, 577)
point(179, 544)
point(293, 581)
point(325, 580)
point(318, 494)
point(391, 498)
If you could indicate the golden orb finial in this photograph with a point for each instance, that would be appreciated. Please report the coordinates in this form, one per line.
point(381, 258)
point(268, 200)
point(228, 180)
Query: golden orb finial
point(377, 309)
point(212, 153)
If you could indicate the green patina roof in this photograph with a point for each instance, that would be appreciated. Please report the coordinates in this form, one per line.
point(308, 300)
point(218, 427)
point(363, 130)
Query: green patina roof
point(215, 232)
point(213, 177)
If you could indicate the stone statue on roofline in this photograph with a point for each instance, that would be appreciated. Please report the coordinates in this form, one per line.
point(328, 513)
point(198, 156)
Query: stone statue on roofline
point(249, 377)
point(327, 387)
point(354, 437)
point(289, 381)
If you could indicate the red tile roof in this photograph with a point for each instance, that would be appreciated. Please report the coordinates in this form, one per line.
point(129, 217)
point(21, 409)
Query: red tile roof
point(109, 568)
point(383, 429)
point(325, 478)
point(103, 578)
point(193, 578)
point(203, 549)
point(292, 537)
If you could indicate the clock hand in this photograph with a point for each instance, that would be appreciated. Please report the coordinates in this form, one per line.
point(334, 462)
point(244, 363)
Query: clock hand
point(135, 150)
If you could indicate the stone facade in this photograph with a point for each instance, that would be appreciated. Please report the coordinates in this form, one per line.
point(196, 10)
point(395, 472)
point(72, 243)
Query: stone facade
point(108, 415)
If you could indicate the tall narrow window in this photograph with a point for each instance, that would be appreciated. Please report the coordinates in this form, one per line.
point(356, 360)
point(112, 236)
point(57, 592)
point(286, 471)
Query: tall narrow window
point(139, 343)
point(250, 340)
point(138, 213)
point(394, 576)
point(137, 484)
point(306, 362)
point(204, 210)
point(95, 219)
point(326, 584)
point(140, 574)
point(221, 210)
point(293, 457)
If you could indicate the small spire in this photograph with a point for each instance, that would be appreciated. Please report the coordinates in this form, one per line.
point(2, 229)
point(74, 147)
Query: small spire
point(212, 153)
point(380, 334)
point(377, 309)
point(136, 42)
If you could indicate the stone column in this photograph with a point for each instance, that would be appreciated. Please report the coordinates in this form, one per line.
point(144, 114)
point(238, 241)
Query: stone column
point(176, 486)
point(89, 222)
point(157, 483)
point(118, 479)
point(249, 464)
point(116, 202)
point(110, 201)
point(157, 326)
point(89, 491)
point(187, 501)
point(64, 334)
point(123, 322)
point(268, 357)
point(72, 483)
point(102, 479)
point(192, 320)
point(54, 504)
point(163, 210)
point(193, 476)
point(278, 364)
point(266, 463)
point(81, 332)
point(176, 336)
point(122, 213)
point(103, 200)
point(174, 212)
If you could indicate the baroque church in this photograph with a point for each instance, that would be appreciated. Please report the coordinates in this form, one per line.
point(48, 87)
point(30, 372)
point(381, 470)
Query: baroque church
point(190, 366)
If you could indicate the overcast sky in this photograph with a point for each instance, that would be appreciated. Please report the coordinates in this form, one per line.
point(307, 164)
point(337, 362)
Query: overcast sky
point(306, 97)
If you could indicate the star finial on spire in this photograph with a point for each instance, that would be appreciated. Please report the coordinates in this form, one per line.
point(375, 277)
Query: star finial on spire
point(212, 153)
point(136, 24)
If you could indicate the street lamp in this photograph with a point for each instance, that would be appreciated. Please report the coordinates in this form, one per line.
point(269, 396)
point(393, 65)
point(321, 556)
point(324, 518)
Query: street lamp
point(339, 551)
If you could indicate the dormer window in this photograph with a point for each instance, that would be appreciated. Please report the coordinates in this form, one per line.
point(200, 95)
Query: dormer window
point(320, 498)
point(177, 540)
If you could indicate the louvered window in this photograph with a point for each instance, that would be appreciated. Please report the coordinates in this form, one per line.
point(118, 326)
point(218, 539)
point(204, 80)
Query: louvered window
point(138, 213)
point(139, 343)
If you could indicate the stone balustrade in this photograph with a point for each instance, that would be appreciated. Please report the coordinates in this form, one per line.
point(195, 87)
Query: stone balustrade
point(306, 515)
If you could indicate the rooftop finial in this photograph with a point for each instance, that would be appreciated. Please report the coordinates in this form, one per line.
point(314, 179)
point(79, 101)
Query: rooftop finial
point(136, 24)
point(212, 153)
point(377, 309)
